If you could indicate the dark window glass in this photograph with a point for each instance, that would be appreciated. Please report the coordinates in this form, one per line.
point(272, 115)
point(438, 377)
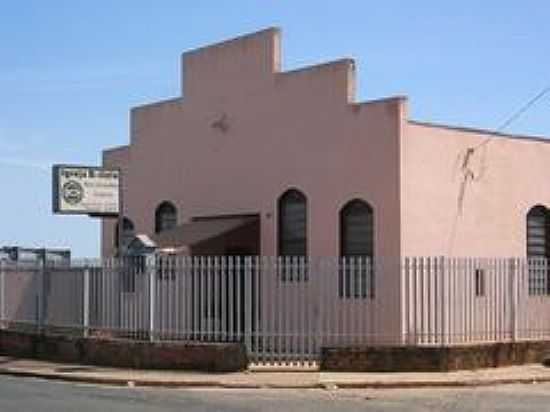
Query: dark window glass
point(356, 250)
point(293, 224)
point(538, 250)
point(166, 217)
point(356, 229)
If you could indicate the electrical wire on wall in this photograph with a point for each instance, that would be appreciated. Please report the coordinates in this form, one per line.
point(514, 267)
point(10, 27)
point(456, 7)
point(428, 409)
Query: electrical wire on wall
point(468, 175)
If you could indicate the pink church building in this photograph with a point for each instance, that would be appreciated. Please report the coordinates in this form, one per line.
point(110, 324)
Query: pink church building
point(253, 160)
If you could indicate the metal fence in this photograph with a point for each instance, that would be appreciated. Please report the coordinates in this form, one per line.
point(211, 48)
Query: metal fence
point(450, 301)
point(284, 309)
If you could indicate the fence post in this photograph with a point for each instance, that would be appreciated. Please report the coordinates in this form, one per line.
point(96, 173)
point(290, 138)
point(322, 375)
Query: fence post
point(86, 300)
point(151, 270)
point(513, 287)
point(2, 295)
point(248, 302)
point(41, 301)
point(409, 308)
point(444, 300)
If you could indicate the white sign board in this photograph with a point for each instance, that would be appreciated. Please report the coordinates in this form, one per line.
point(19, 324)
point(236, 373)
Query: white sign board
point(86, 190)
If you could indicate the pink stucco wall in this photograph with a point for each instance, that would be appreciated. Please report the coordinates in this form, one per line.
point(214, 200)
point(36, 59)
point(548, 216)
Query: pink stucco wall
point(509, 176)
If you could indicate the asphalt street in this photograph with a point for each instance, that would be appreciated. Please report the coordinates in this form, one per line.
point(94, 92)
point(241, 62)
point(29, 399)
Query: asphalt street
point(25, 394)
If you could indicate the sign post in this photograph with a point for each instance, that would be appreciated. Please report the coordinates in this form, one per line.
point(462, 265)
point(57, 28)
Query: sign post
point(93, 191)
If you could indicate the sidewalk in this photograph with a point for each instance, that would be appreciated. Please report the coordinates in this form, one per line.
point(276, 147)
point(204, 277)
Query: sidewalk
point(266, 378)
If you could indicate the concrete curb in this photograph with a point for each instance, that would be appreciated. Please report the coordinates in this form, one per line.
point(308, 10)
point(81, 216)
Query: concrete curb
point(439, 384)
point(16, 372)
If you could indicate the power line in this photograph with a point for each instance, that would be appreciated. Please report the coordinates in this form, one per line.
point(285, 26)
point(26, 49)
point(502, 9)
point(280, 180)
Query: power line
point(468, 174)
point(516, 115)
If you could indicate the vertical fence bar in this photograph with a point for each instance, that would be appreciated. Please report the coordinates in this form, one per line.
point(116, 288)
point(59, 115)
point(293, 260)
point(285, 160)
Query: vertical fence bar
point(503, 291)
point(231, 294)
point(195, 292)
point(168, 301)
point(113, 281)
point(113, 268)
point(248, 305)
point(415, 300)
point(239, 311)
point(406, 302)
point(278, 273)
point(303, 310)
point(443, 300)
point(431, 299)
point(496, 304)
point(464, 287)
point(259, 338)
point(2, 294)
point(102, 279)
point(202, 296)
point(342, 272)
point(217, 299)
point(352, 301)
point(513, 287)
point(295, 279)
point(185, 297)
point(42, 304)
point(315, 325)
point(361, 299)
point(161, 302)
point(452, 320)
point(467, 333)
point(161, 297)
point(487, 299)
point(332, 294)
point(424, 302)
point(224, 306)
point(175, 290)
point(272, 291)
point(208, 286)
point(86, 300)
point(151, 271)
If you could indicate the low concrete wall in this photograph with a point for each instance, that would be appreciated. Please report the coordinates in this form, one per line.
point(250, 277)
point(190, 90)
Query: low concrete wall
point(214, 357)
point(432, 359)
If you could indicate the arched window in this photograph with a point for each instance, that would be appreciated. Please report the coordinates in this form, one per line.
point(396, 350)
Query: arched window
point(128, 232)
point(356, 229)
point(538, 249)
point(356, 250)
point(538, 224)
point(166, 217)
point(292, 219)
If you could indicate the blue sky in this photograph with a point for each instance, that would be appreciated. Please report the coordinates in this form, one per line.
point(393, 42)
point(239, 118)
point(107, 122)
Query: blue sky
point(70, 70)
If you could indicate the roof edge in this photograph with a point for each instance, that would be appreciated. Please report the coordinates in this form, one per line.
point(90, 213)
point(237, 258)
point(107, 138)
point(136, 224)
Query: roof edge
point(272, 29)
point(116, 148)
point(467, 129)
point(169, 100)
